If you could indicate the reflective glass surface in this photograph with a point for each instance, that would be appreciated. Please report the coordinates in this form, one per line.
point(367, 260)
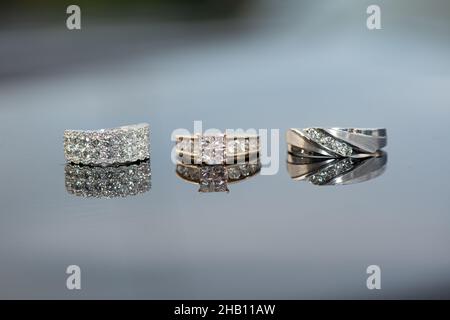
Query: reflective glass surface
point(296, 64)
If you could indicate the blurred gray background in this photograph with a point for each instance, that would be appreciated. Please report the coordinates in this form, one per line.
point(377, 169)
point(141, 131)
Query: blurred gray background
point(239, 64)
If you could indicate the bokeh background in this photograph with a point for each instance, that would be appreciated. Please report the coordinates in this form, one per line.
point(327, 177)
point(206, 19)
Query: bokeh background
point(232, 64)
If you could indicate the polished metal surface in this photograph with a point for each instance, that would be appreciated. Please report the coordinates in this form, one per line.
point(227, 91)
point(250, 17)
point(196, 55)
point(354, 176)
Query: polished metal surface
point(281, 64)
point(366, 140)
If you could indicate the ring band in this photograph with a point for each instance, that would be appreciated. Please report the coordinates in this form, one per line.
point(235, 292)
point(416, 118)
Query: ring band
point(336, 171)
point(108, 182)
point(119, 145)
point(336, 142)
point(216, 149)
point(215, 178)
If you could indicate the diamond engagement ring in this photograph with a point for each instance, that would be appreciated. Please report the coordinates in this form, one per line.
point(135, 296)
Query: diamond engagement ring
point(336, 142)
point(217, 149)
point(119, 145)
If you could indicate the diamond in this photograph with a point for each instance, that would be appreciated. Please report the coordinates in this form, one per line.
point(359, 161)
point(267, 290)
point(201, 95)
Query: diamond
point(326, 141)
point(245, 170)
point(254, 167)
point(189, 173)
point(213, 149)
point(213, 179)
point(234, 173)
point(185, 144)
point(236, 146)
point(314, 134)
point(331, 171)
point(182, 170)
point(329, 142)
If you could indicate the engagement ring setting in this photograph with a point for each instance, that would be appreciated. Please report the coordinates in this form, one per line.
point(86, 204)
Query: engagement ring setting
point(217, 149)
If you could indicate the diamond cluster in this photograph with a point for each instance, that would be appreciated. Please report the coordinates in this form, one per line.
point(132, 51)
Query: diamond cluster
point(331, 171)
point(215, 178)
point(107, 146)
point(213, 149)
point(109, 182)
point(329, 142)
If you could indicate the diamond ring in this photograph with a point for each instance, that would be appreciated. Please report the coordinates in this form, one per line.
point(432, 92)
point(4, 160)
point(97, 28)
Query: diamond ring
point(217, 149)
point(215, 178)
point(335, 142)
point(108, 181)
point(119, 145)
point(336, 171)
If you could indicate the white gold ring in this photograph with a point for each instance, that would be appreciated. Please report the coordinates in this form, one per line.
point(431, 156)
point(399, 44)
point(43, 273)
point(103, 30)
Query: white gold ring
point(336, 142)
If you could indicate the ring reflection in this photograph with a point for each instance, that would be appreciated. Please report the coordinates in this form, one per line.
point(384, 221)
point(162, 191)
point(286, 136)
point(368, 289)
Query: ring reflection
point(108, 182)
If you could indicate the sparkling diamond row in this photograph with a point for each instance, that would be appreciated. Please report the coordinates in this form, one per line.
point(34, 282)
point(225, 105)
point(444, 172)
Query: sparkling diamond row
point(331, 171)
point(329, 142)
point(235, 172)
point(243, 170)
point(214, 149)
point(107, 146)
point(109, 182)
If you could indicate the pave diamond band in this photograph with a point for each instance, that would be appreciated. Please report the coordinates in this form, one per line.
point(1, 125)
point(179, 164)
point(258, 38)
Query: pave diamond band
point(119, 145)
point(217, 149)
point(109, 181)
point(335, 142)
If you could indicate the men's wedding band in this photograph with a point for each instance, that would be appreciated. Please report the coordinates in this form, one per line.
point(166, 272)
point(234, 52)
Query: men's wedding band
point(336, 142)
point(119, 145)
